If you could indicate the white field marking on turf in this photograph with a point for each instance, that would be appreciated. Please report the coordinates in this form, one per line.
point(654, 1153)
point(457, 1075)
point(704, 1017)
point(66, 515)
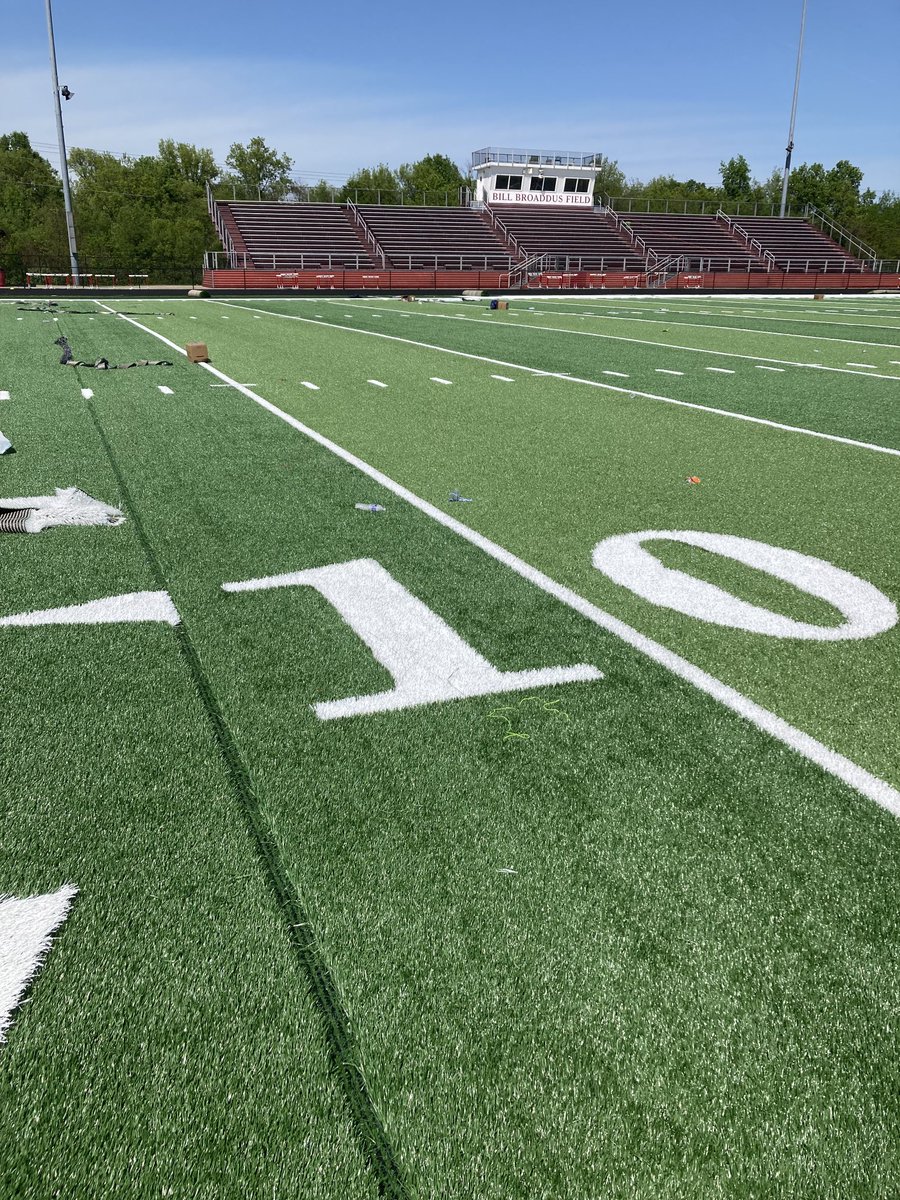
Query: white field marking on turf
point(811, 337)
point(617, 374)
point(26, 927)
point(719, 370)
point(87, 393)
point(595, 383)
point(110, 610)
point(4, 395)
point(376, 383)
point(868, 366)
point(166, 391)
point(838, 765)
point(663, 371)
point(760, 367)
point(793, 320)
point(503, 378)
point(437, 379)
point(313, 387)
point(614, 337)
point(429, 662)
point(866, 610)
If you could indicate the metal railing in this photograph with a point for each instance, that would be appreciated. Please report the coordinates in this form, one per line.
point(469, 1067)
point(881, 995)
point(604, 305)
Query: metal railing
point(753, 244)
point(541, 158)
point(505, 235)
point(851, 243)
point(696, 208)
point(219, 222)
point(219, 260)
point(364, 229)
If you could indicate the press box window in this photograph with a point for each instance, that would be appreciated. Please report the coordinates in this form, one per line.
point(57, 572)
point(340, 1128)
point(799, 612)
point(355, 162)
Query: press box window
point(508, 183)
point(575, 185)
point(546, 184)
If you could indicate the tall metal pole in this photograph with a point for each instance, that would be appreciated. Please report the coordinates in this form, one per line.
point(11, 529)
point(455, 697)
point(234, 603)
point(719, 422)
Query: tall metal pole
point(63, 163)
point(790, 145)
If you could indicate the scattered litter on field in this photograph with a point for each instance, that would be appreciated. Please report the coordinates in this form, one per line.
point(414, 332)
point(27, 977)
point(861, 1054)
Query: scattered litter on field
point(376, 383)
point(506, 871)
point(6, 446)
point(69, 506)
point(693, 478)
point(372, 508)
point(87, 394)
point(4, 395)
point(454, 495)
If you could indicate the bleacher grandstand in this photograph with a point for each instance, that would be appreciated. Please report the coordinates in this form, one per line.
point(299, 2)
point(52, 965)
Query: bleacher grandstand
point(534, 221)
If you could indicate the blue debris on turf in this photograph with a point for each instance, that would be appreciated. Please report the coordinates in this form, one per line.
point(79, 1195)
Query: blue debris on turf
point(372, 508)
point(454, 495)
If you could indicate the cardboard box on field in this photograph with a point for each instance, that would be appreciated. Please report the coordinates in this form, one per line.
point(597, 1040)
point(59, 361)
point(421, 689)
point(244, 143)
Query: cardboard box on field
point(197, 352)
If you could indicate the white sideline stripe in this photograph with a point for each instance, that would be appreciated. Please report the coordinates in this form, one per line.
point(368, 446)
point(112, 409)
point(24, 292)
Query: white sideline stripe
point(26, 926)
point(719, 370)
point(760, 367)
point(814, 337)
point(503, 378)
point(87, 393)
point(376, 383)
point(437, 379)
point(166, 391)
point(4, 395)
point(596, 383)
point(313, 387)
point(838, 765)
point(663, 371)
point(618, 374)
point(614, 337)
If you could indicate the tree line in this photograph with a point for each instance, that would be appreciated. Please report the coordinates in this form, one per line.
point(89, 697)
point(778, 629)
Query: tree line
point(149, 214)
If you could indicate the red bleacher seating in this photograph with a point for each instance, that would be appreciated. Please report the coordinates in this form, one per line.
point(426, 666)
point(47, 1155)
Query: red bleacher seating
point(575, 240)
point(796, 245)
point(437, 239)
point(294, 236)
point(702, 242)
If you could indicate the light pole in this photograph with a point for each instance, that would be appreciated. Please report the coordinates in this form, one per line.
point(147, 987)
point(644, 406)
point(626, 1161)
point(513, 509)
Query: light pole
point(63, 164)
point(790, 145)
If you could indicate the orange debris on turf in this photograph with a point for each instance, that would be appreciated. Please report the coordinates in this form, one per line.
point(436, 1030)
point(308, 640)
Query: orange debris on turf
point(693, 479)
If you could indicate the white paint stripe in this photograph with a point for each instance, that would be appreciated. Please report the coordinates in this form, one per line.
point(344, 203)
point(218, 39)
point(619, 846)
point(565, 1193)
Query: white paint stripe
point(849, 772)
point(501, 362)
point(26, 927)
point(613, 337)
point(868, 366)
point(111, 610)
point(437, 379)
point(4, 395)
point(617, 374)
point(166, 391)
point(663, 371)
point(503, 378)
point(87, 393)
point(376, 383)
point(313, 387)
point(719, 370)
point(760, 367)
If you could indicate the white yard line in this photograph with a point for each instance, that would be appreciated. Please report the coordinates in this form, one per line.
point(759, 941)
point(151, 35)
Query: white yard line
point(842, 768)
point(760, 367)
point(617, 374)
point(595, 383)
point(719, 370)
point(503, 378)
point(663, 371)
point(868, 366)
point(614, 337)
point(313, 387)
point(437, 379)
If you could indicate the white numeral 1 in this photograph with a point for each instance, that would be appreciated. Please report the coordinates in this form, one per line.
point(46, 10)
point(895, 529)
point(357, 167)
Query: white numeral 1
point(430, 663)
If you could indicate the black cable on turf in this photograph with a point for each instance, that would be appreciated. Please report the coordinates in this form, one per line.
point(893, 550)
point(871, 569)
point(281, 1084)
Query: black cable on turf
point(342, 1047)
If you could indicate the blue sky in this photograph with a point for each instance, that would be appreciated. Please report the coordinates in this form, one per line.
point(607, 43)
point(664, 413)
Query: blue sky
point(663, 87)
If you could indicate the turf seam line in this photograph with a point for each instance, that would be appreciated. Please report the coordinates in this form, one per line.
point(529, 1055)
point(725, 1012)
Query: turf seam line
point(831, 761)
point(595, 383)
point(342, 1047)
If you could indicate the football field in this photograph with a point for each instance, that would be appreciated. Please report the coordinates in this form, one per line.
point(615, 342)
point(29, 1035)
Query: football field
point(474, 744)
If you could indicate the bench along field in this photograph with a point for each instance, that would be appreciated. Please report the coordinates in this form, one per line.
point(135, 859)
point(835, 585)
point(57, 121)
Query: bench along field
point(463, 761)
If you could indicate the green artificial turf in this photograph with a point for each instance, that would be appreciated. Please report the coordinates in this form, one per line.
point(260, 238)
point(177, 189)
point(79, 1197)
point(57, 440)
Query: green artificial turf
point(639, 950)
point(554, 467)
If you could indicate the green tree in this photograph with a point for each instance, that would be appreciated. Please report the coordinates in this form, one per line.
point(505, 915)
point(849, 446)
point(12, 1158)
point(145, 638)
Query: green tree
point(434, 179)
point(259, 172)
point(373, 185)
point(32, 221)
point(735, 175)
